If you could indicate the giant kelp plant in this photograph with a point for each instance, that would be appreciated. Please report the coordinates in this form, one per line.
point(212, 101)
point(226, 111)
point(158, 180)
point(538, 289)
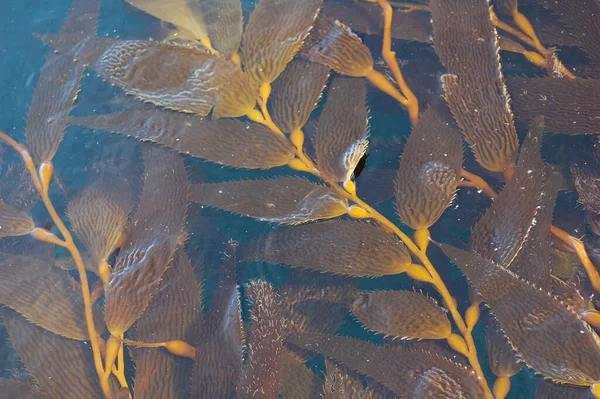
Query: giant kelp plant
point(104, 300)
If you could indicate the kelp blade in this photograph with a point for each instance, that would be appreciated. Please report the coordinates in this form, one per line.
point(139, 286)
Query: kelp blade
point(174, 312)
point(10, 389)
point(533, 321)
point(156, 229)
point(402, 314)
point(299, 382)
point(465, 40)
point(337, 246)
point(13, 222)
point(341, 139)
point(502, 359)
point(341, 383)
point(429, 171)
point(223, 19)
point(178, 77)
point(295, 93)
point(273, 35)
point(286, 200)
point(225, 141)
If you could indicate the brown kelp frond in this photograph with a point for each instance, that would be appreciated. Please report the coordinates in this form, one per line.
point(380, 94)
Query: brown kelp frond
point(501, 356)
point(341, 138)
point(285, 200)
point(505, 227)
point(400, 370)
point(46, 296)
point(156, 229)
point(295, 93)
point(264, 368)
point(218, 363)
point(17, 188)
point(547, 389)
point(61, 367)
point(533, 321)
point(14, 222)
point(225, 141)
point(342, 383)
point(10, 389)
point(223, 20)
point(567, 104)
point(177, 77)
point(429, 171)
point(465, 40)
point(299, 382)
point(274, 33)
point(402, 314)
point(337, 246)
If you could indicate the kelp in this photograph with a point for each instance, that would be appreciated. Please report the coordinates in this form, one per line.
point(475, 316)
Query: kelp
point(342, 383)
point(13, 222)
point(16, 389)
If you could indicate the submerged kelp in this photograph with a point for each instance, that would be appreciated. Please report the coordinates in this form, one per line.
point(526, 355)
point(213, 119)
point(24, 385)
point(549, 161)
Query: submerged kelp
point(127, 281)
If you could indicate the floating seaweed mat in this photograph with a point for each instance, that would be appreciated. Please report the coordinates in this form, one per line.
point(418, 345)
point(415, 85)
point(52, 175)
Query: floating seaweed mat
point(45, 296)
point(274, 33)
point(402, 314)
point(174, 312)
point(14, 222)
point(465, 41)
point(549, 390)
point(286, 200)
point(342, 132)
point(98, 216)
point(366, 18)
point(264, 368)
point(429, 171)
point(178, 77)
point(337, 246)
point(11, 389)
point(299, 382)
point(296, 92)
point(61, 367)
point(403, 371)
point(341, 383)
point(156, 228)
point(568, 105)
point(227, 141)
point(502, 359)
point(58, 83)
point(503, 230)
point(533, 321)
point(218, 363)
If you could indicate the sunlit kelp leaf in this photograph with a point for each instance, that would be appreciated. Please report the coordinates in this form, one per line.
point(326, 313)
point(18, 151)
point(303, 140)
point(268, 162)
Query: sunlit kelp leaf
point(98, 215)
point(429, 171)
point(295, 93)
point(341, 138)
point(341, 383)
point(502, 231)
point(465, 40)
point(174, 312)
point(502, 359)
point(333, 44)
point(402, 371)
point(218, 363)
point(178, 77)
point(263, 371)
point(565, 103)
point(286, 200)
point(402, 314)
point(549, 390)
point(58, 83)
point(273, 35)
point(156, 228)
point(337, 246)
point(223, 19)
point(13, 222)
point(11, 389)
point(299, 382)
point(534, 321)
point(46, 296)
point(61, 367)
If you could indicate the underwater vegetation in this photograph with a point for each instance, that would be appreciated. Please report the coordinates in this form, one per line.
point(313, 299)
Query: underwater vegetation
point(469, 262)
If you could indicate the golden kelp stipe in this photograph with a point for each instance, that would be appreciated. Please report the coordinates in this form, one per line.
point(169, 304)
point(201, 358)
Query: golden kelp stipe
point(10, 389)
point(502, 358)
point(533, 321)
point(429, 171)
point(223, 20)
point(225, 141)
point(402, 314)
point(285, 200)
point(13, 222)
point(174, 312)
point(156, 229)
point(295, 93)
point(337, 246)
point(61, 367)
point(465, 40)
point(341, 138)
point(178, 77)
point(341, 383)
point(273, 35)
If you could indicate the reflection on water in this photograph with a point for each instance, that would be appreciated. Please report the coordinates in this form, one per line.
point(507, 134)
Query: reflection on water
point(300, 199)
